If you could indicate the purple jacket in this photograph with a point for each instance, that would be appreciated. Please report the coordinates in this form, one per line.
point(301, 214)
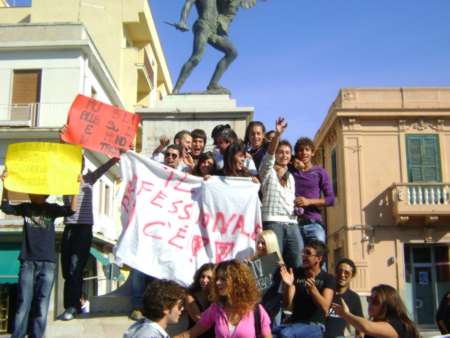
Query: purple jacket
point(313, 184)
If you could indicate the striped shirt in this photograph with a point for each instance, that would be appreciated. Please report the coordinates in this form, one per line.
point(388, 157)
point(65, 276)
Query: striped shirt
point(277, 201)
point(84, 213)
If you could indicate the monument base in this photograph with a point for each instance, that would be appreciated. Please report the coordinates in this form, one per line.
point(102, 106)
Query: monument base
point(191, 111)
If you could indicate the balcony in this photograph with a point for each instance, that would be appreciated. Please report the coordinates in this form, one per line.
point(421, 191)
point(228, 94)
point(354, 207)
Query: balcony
point(425, 200)
point(144, 64)
point(34, 114)
point(19, 115)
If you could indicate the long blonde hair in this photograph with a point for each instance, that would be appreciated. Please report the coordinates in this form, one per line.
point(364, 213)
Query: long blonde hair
point(271, 240)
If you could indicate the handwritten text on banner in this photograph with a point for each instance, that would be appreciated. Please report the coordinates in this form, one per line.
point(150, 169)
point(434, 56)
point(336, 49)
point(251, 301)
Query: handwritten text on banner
point(43, 168)
point(174, 222)
point(99, 126)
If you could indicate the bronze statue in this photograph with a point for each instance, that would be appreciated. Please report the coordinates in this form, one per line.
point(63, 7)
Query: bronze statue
point(211, 27)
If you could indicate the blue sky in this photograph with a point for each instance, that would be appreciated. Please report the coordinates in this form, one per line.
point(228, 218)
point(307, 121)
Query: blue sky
point(294, 55)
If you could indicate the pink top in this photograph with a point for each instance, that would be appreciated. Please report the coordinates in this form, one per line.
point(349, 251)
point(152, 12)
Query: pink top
point(215, 315)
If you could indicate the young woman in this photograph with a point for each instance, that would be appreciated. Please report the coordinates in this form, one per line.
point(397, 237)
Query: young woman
point(267, 243)
point(255, 141)
point(235, 297)
point(234, 161)
point(388, 314)
point(278, 195)
point(197, 298)
point(206, 165)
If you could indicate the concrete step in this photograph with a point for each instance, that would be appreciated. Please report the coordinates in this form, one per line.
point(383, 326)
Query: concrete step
point(100, 326)
point(89, 326)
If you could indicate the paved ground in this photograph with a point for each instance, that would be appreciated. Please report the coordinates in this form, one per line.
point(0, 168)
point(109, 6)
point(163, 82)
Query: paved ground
point(111, 327)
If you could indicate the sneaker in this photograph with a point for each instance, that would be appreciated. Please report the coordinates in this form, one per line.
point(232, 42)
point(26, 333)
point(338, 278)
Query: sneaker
point(69, 314)
point(136, 315)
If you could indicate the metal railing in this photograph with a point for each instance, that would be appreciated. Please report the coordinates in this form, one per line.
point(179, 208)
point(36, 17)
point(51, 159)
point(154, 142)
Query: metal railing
point(24, 114)
point(29, 114)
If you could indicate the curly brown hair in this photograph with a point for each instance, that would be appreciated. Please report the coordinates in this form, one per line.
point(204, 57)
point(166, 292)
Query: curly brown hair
point(242, 292)
point(160, 295)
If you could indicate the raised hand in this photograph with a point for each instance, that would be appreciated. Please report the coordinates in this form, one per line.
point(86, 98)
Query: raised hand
point(181, 26)
point(280, 125)
point(164, 141)
point(287, 276)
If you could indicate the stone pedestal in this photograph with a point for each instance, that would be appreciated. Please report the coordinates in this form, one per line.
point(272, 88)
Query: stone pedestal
point(190, 111)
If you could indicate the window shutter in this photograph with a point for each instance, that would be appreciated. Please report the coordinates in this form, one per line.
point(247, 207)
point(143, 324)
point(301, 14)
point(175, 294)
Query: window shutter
point(26, 90)
point(422, 152)
point(334, 171)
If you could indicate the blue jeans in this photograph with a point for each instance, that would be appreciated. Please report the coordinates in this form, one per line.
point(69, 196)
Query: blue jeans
point(33, 297)
point(290, 241)
point(312, 231)
point(299, 330)
point(139, 281)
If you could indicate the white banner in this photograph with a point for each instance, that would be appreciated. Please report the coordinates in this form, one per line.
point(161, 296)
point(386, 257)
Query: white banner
point(174, 222)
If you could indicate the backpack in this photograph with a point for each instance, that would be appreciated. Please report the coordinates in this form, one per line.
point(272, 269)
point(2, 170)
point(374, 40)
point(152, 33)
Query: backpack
point(257, 317)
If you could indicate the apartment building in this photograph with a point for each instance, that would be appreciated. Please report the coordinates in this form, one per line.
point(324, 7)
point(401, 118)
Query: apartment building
point(387, 151)
point(50, 51)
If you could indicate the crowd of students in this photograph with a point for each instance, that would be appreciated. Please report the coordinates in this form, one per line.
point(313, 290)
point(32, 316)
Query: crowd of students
point(224, 299)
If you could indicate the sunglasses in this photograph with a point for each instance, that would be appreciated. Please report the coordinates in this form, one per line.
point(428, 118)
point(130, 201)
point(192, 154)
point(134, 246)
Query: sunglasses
point(308, 253)
point(344, 272)
point(373, 300)
point(171, 155)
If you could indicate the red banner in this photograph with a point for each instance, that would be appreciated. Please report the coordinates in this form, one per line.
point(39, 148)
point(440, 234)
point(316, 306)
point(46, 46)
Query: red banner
point(99, 126)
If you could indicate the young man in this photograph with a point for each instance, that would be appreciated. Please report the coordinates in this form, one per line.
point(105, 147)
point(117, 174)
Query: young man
point(313, 189)
point(163, 305)
point(37, 260)
point(335, 326)
point(184, 139)
point(77, 239)
point(308, 290)
point(198, 143)
point(172, 156)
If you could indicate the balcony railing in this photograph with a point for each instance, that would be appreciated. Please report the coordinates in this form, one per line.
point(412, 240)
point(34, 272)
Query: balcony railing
point(28, 114)
point(24, 114)
point(429, 200)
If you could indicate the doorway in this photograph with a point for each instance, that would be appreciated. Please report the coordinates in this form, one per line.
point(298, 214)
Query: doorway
point(427, 269)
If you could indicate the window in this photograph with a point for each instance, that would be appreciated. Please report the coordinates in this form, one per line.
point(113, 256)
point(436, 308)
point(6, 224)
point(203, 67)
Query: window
point(25, 92)
point(422, 152)
point(334, 171)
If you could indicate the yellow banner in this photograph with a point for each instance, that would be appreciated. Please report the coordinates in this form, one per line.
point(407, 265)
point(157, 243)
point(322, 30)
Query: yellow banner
point(43, 168)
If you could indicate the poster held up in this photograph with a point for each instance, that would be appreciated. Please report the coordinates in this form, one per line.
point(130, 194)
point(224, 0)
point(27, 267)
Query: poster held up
point(99, 126)
point(43, 168)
